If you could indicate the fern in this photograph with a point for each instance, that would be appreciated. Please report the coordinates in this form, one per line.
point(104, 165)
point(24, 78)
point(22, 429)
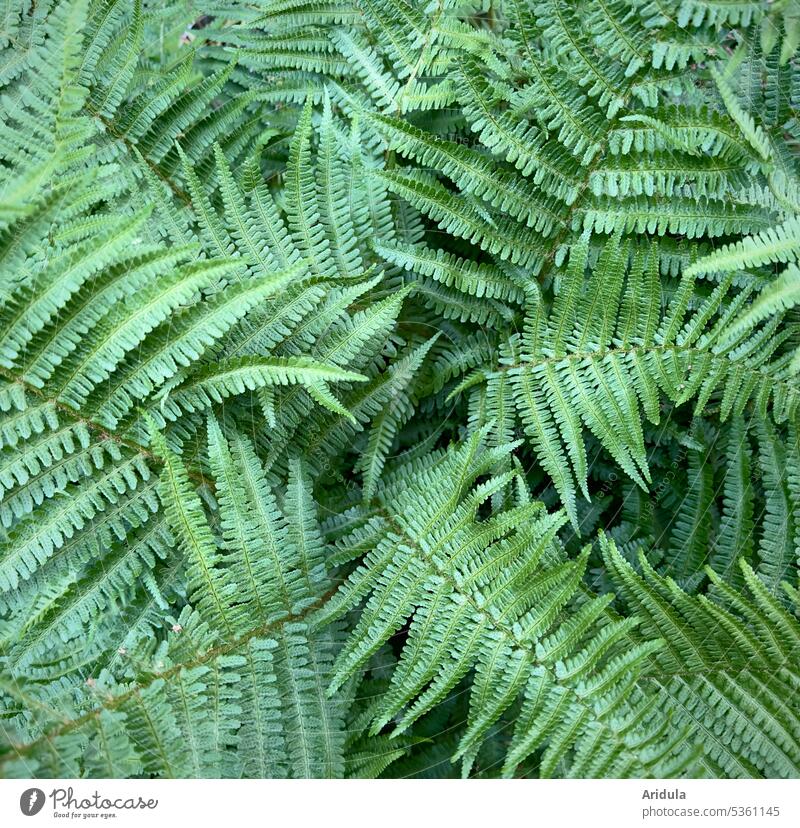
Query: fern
point(399, 389)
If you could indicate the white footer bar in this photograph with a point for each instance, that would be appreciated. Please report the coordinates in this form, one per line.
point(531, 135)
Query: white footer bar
point(400, 803)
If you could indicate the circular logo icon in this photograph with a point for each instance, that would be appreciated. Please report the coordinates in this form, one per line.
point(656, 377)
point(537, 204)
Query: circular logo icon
point(31, 801)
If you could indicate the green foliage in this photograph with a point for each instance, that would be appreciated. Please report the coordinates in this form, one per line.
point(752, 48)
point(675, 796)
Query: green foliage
point(395, 388)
